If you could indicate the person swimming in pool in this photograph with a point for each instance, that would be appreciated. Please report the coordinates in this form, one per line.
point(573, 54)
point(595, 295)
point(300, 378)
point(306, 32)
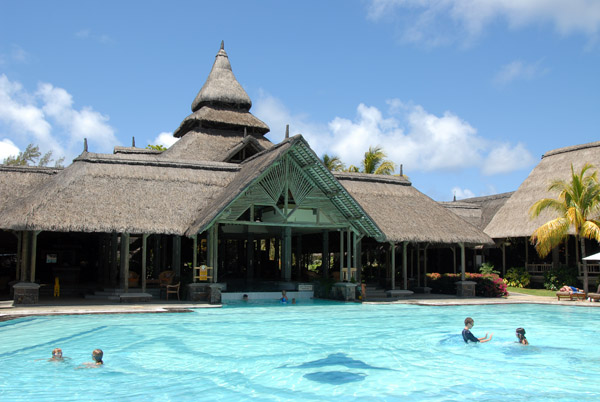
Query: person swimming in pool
point(521, 336)
point(469, 337)
point(97, 355)
point(284, 298)
point(57, 355)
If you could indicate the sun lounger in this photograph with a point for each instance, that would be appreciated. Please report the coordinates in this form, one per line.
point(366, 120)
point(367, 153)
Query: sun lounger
point(594, 296)
point(571, 295)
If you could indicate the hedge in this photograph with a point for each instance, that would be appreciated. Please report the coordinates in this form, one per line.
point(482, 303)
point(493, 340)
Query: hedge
point(487, 285)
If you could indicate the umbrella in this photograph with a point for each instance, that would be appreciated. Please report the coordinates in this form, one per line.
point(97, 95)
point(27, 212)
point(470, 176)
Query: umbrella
point(595, 257)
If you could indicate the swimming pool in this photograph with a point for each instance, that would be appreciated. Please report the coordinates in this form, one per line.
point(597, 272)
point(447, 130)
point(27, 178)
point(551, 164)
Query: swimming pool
point(309, 352)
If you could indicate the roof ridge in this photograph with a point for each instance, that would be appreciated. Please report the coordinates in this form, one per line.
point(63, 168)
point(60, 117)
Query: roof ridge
point(571, 149)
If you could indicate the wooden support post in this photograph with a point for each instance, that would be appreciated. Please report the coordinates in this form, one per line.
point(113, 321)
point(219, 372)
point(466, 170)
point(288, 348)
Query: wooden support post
point(325, 255)
point(176, 256)
point(155, 255)
point(527, 253)
point(32, 262)
point(144, 261)
point(404, 264)
point(462, 261)
point(195, 255)
point(215, 252)
point(299, 258)
point(125, 262)
point(355, 255)
point(250, 256)
point(19, 235)
point(453, 257)
point(25, 255)
point(287, 253)
point(341, 232)
point(349, 254)
point(114, 267)
point(393, 264)
point(418, 265)
point(277, 252)
point(358, 253)
point(503, 259)
point(425, 265)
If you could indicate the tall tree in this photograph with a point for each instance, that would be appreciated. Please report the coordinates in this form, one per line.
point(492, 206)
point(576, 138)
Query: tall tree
point(375, 163)
point(577, 207)
point(32, 156)
point(333, 163)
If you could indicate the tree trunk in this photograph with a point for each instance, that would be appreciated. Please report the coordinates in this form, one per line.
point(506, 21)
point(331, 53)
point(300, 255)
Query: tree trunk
point(585, 271)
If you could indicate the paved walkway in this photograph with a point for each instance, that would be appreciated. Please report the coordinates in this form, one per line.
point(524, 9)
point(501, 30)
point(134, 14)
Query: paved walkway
point(83, 306)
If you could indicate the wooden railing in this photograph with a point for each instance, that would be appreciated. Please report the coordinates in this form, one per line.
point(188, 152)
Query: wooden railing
point(593, 269)
point(538, 268)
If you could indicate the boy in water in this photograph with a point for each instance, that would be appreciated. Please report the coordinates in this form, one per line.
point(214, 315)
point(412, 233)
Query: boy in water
point(97, 356)
point(521, 336)
point(57, 355)
point(284, 298)
point(468, 336)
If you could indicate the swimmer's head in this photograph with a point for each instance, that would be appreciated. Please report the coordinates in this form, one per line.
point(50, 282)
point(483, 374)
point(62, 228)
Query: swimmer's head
point(469, 322)
point(520, 333)
point(97, 356)
point(57, 353)
point(245, 297)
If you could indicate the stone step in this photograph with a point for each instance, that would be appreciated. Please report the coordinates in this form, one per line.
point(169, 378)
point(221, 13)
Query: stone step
point(103, 297)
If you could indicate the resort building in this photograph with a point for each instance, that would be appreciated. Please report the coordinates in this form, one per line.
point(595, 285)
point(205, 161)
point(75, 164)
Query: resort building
point(222, 206)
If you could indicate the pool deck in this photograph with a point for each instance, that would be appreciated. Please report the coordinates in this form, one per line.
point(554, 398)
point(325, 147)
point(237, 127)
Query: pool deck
point(75, 306)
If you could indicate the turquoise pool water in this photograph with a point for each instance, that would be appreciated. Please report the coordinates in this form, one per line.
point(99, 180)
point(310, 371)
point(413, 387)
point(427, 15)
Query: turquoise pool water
point(320, 351)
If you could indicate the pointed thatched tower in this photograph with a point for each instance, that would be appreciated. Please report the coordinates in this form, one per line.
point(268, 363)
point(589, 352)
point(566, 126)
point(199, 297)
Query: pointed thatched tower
point(221, 127)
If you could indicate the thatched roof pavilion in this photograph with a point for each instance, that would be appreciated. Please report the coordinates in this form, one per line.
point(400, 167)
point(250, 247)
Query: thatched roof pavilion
point(225, 186)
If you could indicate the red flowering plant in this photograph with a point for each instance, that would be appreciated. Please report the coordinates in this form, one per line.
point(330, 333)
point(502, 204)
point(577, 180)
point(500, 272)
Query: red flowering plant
point(487, 285)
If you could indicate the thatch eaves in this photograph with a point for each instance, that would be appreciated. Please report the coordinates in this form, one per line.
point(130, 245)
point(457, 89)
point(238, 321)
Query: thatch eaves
point(406, 214)
point(513, 218)
point(215, 117)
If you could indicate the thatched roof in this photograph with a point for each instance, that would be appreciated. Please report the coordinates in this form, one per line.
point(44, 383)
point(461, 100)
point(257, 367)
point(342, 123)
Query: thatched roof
point(222, 103)
point(221, 86)
point(208, 145)
point(18, 183)
point(478, 211)
point(513, 219)
point(405, 214)
point(122, 193)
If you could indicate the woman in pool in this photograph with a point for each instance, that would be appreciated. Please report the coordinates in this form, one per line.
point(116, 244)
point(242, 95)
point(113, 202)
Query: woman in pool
point(521, 336)
point(469, 337)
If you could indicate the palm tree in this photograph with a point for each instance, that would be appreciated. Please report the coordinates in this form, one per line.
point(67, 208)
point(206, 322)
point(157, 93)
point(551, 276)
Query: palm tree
point(577, 205)
point(375, 163)
point(333, 163)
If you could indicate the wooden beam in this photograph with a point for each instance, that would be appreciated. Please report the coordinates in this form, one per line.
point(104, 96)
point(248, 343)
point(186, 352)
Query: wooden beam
point(325, 255)
point(349, 256)
point(287, 253)
point(393, 252)
point(125, 262)
point(32, 262)
point(114, 247)
point(19, 235)
point(404, 264)
point(462, 261)
point(24, 255)
point(195, 254)
point(286, 224)
point(144, 256)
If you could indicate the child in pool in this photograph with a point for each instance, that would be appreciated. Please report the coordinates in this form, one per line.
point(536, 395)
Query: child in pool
point(97, 355)
point(521, 336)
point(468, 336)
point(284, 298)
point(57, 355)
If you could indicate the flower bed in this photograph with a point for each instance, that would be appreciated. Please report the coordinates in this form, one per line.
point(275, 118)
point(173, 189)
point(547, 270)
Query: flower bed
point(487, 285)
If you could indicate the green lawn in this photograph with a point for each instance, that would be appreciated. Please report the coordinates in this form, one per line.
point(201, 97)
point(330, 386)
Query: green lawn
point(533, 292)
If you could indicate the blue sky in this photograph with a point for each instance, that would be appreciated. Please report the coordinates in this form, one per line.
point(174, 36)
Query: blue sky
point(466, 95)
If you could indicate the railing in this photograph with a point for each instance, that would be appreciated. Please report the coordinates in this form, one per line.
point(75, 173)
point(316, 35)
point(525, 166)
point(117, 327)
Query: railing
point(593, 269)
point(538, 268)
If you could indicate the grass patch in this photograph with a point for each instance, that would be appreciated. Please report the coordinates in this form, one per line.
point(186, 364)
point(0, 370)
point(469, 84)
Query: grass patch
point(533, 292)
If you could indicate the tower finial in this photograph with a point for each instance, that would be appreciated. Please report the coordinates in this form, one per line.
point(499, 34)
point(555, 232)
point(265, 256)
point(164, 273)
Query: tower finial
point(222, 45)
point(287, 131)
point(133, 142)
point(85, 145)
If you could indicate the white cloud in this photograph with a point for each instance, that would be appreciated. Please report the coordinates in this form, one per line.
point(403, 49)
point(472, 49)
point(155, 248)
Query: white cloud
point(505, 158)
point(425, 20)
point(165, 139)
point(48, 118)
point(88, 34)
point(518, 70)
point(8, 148)
point(461, 194)
point(409, 134)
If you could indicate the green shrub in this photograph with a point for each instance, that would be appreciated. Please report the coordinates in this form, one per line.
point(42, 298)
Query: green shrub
point(487, 269)
point(517, 277)
point(558, 277)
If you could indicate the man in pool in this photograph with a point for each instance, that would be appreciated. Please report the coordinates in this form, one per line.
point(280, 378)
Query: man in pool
point(469, 337)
